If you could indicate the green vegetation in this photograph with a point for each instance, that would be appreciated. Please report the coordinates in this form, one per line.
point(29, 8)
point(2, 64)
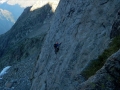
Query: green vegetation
point(95, 65)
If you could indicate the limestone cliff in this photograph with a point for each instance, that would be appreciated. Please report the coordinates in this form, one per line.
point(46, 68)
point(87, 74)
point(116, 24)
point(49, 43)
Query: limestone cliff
point(84, 28)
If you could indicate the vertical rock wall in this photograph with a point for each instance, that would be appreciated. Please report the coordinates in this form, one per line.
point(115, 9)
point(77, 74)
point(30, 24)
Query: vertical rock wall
point(83, 27)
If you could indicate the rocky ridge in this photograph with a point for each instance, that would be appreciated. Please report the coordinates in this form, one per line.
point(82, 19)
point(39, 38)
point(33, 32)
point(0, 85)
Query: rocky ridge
point(21, 47)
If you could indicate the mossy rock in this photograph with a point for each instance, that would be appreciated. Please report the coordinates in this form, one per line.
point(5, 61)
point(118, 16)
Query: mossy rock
point(97, 64)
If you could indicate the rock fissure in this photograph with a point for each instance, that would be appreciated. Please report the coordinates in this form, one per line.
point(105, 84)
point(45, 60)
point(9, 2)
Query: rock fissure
point(104, 2)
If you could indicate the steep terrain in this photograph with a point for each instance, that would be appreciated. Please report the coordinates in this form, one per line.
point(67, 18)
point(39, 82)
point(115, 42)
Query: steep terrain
point(85, 29)
point(21, 45)
point(107, 78)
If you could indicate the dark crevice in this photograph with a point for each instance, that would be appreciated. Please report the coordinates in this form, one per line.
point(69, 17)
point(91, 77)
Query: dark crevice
point(72, 10)
point(104, 2)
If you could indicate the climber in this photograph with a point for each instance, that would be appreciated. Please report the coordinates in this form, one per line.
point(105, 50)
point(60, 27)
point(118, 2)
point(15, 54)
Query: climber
point(56, 46)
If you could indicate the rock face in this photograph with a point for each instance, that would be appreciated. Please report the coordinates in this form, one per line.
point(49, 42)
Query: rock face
point(84, 28)
point(28, 22)
point(116, 27)
point(107, 78)
point(20, 47)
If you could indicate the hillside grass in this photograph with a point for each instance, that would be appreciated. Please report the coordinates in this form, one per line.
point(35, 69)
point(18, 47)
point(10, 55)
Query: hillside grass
point(97, 64)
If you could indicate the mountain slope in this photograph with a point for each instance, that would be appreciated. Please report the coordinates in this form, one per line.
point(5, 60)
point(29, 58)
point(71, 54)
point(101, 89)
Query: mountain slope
point(22, 44)
point(84, 29)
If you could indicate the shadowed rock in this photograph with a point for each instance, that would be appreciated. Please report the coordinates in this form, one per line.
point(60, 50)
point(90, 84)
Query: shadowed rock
point(116, 27)
point(107, 78)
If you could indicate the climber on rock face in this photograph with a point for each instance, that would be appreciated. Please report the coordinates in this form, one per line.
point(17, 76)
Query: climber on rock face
point(56, 47)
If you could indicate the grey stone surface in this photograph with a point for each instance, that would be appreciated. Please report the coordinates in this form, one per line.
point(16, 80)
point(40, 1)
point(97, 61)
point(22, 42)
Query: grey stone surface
point(84, 28)
point(20, 47)
point(116, 26)
point(107, 78)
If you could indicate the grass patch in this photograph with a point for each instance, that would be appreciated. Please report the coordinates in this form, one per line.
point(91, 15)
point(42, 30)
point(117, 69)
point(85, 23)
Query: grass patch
point(97, 64)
